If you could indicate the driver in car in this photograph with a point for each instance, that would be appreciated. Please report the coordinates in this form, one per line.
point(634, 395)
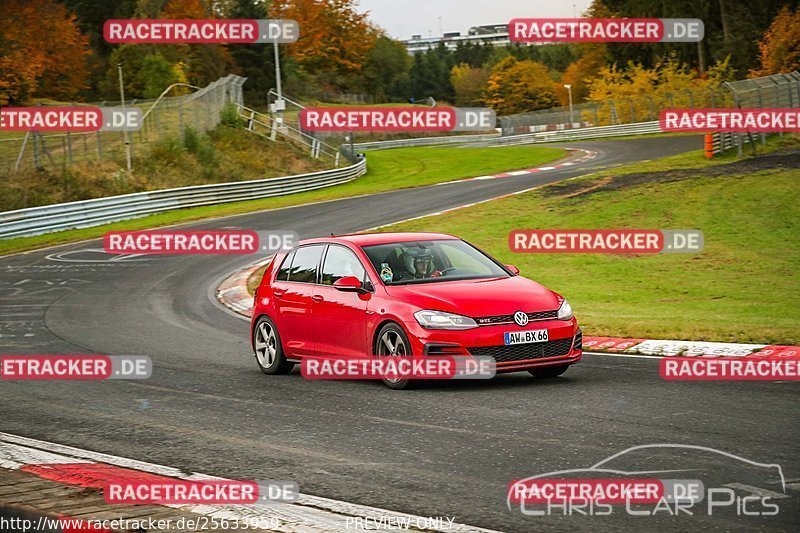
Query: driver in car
point(418, 263)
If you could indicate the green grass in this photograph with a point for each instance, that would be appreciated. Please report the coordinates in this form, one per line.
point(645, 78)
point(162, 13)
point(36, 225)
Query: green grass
point(387, 170)
point(742, 288)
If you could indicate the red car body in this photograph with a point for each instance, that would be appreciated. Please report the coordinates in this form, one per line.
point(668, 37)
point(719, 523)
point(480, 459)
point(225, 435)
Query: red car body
point(316, 319)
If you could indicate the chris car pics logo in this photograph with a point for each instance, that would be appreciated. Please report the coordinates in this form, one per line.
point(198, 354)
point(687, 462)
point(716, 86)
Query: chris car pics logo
point(680, 480)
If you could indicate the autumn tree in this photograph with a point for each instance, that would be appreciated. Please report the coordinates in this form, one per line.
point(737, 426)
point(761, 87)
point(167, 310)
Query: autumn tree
point(779, 49)
point(42, 51)
point(578, 73)
point(334, 40)
point(469, 83)
point(519, 86)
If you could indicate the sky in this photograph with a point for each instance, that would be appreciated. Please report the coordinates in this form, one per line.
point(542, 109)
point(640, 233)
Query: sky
point(404, 18)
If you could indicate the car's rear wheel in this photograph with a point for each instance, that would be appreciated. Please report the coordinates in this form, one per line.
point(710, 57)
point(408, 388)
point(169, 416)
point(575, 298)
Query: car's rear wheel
point(392, 341)
point(268, 348)
point(549, 371)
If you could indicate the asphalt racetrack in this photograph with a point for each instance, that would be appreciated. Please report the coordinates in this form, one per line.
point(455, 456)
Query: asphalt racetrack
point(444, 450)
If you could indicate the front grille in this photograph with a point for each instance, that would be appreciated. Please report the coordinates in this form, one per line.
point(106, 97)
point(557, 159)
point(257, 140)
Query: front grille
point(521, 352)
point(509, 319)
point(578, 344)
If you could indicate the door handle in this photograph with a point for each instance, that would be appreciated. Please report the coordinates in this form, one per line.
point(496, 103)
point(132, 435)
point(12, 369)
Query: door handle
point(278, 293)
point(317, 298)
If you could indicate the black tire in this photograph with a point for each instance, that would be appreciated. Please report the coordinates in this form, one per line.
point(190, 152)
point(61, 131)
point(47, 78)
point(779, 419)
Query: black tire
point(549, 371)
point(394, 331)
point(268, 349)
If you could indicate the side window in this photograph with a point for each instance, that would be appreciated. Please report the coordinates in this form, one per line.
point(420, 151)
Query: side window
point(341, 262)
point(283, 273)
point(305, 263)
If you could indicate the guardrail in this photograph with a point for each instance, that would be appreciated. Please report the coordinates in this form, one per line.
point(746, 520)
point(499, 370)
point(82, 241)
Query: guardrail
point(617, 130)
point(495, 139)
point(425, 141)
point(88, 213)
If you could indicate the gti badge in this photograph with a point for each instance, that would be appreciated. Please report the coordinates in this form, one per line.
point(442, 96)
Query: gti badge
point(521, 318)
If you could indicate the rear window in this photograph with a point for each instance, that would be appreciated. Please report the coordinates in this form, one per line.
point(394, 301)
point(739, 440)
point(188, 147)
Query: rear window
point(283, 273)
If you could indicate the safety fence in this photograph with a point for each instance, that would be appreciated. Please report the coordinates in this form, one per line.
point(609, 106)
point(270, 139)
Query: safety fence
point(87, 213)
point(780, 90)
point(167, 116)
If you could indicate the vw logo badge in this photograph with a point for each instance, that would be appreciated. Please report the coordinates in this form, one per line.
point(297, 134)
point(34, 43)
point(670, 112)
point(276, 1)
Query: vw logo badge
point(521, 318)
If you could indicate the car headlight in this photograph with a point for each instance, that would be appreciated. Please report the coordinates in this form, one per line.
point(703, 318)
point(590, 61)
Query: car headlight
point(565, 311)
point(442, 320)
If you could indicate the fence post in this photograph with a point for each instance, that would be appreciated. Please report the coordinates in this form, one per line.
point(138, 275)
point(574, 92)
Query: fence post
point(22, 150)
point(69, 148)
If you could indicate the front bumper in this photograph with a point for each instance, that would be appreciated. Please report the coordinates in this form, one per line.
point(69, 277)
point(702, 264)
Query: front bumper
point(564, 346)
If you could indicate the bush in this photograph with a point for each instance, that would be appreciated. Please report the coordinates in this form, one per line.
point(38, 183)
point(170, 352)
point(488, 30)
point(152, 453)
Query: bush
point(200, 146)
point(229, 116)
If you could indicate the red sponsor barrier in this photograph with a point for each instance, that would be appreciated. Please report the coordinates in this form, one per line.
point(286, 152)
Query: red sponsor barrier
point(74, 119)
point(609, 344)
point(778, 351)
point(180, 31)
point(226, 242)
point(608, 491)
point(378, 119)
point(735, 120)
point(46, 367)
point(633, 241)
point(570, 30)
point(741, 368)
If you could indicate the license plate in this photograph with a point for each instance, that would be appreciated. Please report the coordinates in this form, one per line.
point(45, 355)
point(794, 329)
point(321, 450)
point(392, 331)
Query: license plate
point(525, 337)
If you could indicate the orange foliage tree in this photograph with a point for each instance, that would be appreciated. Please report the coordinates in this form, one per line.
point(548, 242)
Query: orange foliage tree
point(779, 50)
point(334, 37)
point(519, 86)
point(42, 51)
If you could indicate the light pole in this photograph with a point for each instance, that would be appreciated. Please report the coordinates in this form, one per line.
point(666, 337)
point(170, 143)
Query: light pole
point(279, 105)
point(125, 129)
point(568, 87)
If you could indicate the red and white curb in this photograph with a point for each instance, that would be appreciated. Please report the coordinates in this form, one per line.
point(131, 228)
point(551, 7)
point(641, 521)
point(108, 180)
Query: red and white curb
point(232, 292)
point(587, 155)
point(668, 348)
point(74, 466)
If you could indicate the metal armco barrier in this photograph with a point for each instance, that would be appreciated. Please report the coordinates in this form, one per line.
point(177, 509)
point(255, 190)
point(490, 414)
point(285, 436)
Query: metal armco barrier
point(426, 141)
point(495, 139)
point(87, 213)
point(722, 141)
point(639, 128)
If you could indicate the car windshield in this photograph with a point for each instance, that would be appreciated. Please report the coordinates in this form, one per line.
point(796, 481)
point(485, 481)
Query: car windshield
point(402, 263)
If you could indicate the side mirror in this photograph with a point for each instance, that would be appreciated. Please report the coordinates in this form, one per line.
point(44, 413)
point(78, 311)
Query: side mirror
point(348, 284)
point(514, 270)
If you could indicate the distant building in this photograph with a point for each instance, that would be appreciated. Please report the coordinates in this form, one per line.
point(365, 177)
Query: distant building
point(494, 34)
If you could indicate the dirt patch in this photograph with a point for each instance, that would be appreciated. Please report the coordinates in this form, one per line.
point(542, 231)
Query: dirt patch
point(783, 159)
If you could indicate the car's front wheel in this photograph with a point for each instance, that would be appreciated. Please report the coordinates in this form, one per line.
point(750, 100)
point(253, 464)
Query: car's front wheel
point(392, 341)
point(549, 371)
point(268, 348)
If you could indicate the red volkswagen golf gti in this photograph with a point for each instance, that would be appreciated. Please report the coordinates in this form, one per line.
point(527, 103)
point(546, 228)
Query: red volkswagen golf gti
point(412, 294)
